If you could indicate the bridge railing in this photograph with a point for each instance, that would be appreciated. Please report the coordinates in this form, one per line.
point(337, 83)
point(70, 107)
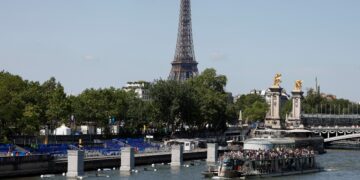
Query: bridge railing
point(331, 119)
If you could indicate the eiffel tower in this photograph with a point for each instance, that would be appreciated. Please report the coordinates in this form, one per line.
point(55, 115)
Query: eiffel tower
point(184, 65)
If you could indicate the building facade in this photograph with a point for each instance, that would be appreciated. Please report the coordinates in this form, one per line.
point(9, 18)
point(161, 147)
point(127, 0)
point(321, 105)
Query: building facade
point(141, 88)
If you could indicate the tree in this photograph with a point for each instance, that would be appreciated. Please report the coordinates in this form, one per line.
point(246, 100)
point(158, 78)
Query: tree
point(312, 101)
point(57, 105)
point(33, 115)
point(11, 104)
point(165, 99)
point(101, 105)
point(316, 103)
point(30, 120)
point(286, 108)
point(257, 111)
point(139, 114)
point(90, 106)
point(212, 99)
point(254, 107)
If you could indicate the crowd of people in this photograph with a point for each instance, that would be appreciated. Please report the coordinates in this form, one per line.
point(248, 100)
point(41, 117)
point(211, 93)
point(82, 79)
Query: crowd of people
point(276, 153)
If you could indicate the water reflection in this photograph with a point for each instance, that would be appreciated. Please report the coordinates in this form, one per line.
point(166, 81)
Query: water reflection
point(175, 169)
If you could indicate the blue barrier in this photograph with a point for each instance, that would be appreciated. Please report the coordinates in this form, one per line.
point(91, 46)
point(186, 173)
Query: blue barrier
point(108, 147)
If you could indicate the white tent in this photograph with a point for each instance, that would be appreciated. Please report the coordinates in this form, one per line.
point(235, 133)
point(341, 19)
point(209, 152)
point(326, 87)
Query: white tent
point(63, 130)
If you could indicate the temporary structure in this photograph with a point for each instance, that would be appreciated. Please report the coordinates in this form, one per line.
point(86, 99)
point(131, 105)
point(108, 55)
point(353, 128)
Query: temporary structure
point(63, 130)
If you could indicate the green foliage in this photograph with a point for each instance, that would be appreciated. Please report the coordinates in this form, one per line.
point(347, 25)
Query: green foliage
point(316, 103)
point(11, 105)
point(257, 111)
point(253, 106)
point(30, 119)
point(212, 99)
point(285, 109)
point(27, 105)
point(97, 105)
point(174, 104)
point(57, 106)
point(198, 103)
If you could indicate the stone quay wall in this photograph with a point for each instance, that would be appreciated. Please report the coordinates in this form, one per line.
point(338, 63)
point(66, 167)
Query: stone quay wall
point(25, 165)
point(43, 164)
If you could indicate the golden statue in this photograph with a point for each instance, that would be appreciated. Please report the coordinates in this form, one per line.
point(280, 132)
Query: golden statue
point(277, 80)
point(298, 85)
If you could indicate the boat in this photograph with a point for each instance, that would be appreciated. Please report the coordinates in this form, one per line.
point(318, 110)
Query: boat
point(211, 172)
point(230, 168)
point(267, 163)
point(301, 138)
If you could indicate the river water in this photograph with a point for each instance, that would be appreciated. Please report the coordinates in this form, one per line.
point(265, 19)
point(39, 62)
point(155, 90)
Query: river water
point(338, 164)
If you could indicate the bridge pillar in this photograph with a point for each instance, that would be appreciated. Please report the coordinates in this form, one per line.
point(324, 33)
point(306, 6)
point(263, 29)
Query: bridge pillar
point(75, 166)
point(127, 159)
point(212, 152)
point(294, 121)
point(272, 118)
point(336, 133)
point(177, 155)
point(328, 134)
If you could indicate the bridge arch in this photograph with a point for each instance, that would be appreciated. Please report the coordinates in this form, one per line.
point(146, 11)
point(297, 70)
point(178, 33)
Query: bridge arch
point(343, 137)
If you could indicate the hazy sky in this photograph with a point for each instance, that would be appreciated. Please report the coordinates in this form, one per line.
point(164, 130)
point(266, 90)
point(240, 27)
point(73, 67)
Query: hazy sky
point(107, 43)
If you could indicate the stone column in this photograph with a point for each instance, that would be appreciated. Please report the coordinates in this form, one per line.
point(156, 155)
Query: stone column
point(273, 116)
point(212, 152)
point(296, 101)
point(127, 159)
point(75, 166)
point(240, 119)
point(295, 118)
point(177, 155)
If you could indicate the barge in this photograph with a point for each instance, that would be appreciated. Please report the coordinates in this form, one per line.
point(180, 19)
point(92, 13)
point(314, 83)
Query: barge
point(265, 163)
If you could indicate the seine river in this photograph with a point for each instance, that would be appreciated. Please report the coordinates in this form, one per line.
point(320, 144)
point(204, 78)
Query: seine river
point(338, 164)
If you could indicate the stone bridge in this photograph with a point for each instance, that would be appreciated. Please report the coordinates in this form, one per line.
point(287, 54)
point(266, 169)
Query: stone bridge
point(343, 137)
point(333, 127)
point(337, 133)
point(332, 120)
